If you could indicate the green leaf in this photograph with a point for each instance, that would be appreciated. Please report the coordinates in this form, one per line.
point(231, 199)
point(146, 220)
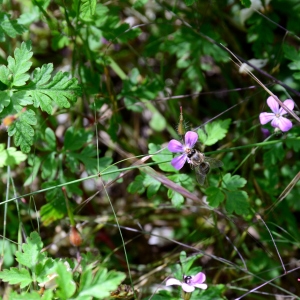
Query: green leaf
point(4, 98)
point(293, 144)
point(246, 3)
point(22, 130)
point(66, 286)
point(137, 186)
point(290, 52)
point(87, 9)
point(16, 276)
point(19, 65)
point(88, 156)
point(113, 175)
point(176, 198)
point(33, 295)
point(9, 26)
point(139, 3)
point(55, 209)
point(5, 76)
point(162, 157)
point(60, 90)
point(10, 249)
point(31, 251)
point(50, 166)
point(189, 2)
point(274, 155)
point(143, 182)
point(59, 40)
point(50, 139)
point(233, 183)
point(74, 140)
point(45, 268)
point(237, 202)
point(101, 285)
point(10, 156)
point(152, 185)
point(214, 132)
point(214, 196)
point(158, 122)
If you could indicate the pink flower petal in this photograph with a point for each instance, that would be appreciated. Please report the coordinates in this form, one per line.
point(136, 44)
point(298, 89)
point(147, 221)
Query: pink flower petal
point(289, 103)
point(275, 122)
point(187, 288)
point(173, 281)
point(264, 118)
point(202, 286)
point(284, 124)
point(198, 278)
point(175, 146)
point(191, 139)
point(179, 161)
point(273, 104)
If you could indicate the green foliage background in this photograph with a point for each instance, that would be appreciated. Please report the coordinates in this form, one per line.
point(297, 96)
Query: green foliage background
point(90, 95)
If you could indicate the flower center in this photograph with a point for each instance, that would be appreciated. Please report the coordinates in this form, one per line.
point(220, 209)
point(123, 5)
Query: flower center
point(277, 115)
point(187, 150)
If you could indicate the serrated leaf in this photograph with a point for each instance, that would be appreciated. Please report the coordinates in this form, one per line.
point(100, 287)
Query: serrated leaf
point(20, 64)
point(31, 251)
point(214, 132)
point(87, 9)
point(214, 196)
point(236, 201)
point(60, 90)
point(22, 130)
point(5, 75)
point(66, 286)
point(16, 276)
point(233, 183)
point(10, 156)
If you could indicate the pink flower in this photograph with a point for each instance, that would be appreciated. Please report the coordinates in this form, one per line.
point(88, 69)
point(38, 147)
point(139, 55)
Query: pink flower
point(276, 118)
point(175, 146)
point(189, 282)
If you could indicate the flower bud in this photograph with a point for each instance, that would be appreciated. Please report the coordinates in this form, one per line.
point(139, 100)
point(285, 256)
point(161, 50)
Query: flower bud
point(75, 237)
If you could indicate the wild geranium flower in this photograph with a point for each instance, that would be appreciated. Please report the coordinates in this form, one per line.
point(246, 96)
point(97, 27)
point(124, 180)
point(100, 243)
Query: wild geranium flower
point(276, 118)
point(190, 139)
point(189, 282)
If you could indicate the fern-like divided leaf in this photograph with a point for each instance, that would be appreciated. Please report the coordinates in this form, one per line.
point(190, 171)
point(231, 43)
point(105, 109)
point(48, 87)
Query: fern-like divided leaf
point(16, 276)
point(42, 91)
point(23, 131)
point(45, 94)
